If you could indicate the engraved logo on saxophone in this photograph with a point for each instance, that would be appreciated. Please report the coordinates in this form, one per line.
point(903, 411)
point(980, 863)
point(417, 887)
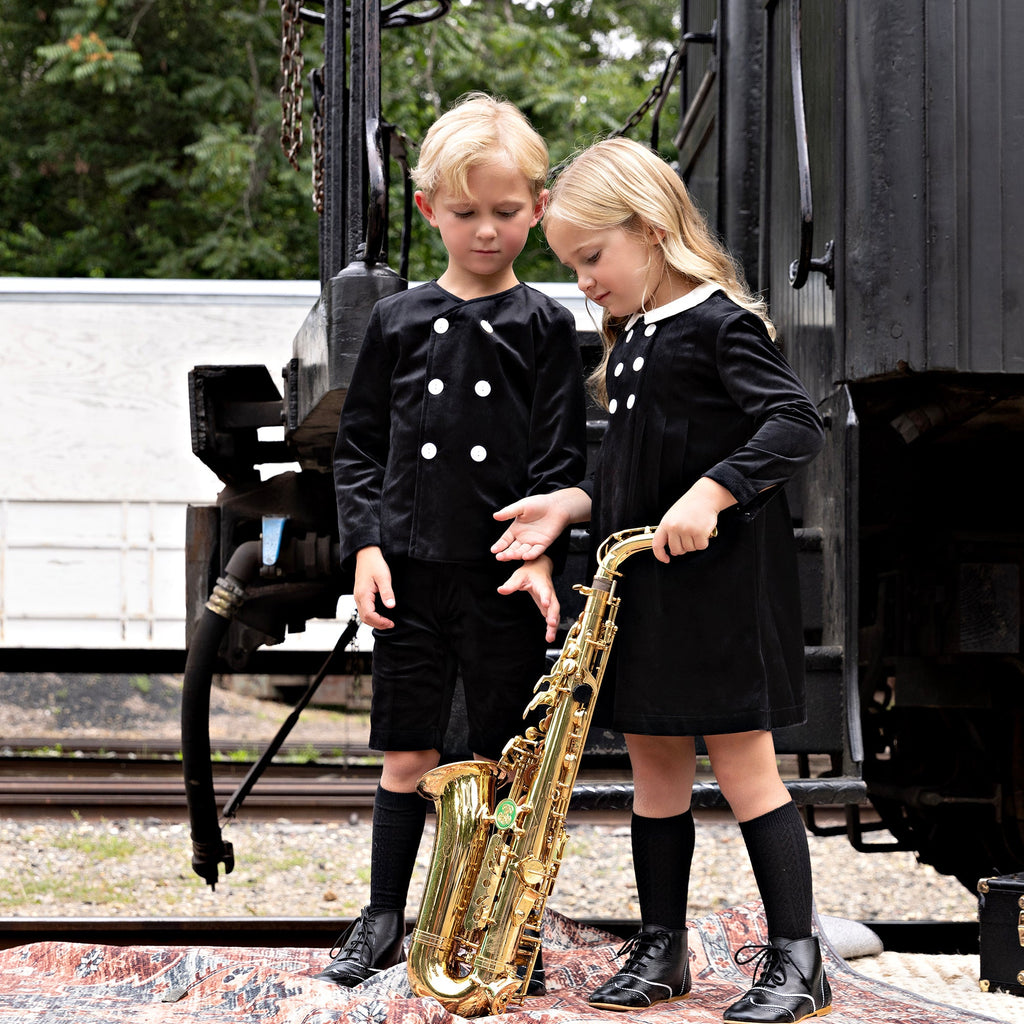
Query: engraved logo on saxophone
point(505, 814)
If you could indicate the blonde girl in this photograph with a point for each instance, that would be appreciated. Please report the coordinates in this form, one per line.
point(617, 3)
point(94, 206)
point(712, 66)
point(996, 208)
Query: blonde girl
point(706, 424)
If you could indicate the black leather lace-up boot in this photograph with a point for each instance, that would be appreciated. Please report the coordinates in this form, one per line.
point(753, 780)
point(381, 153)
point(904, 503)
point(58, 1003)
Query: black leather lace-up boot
point(656, 971)
point(790, 984)
point(371, 944)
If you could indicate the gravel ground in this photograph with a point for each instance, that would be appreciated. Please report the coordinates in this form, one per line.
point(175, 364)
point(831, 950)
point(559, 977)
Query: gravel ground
point(288, 868)
point(117, 867)
point(141, 868)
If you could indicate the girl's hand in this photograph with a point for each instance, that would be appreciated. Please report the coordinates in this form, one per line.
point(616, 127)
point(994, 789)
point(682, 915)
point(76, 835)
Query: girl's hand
point(537, 521)
point(535, 578)
point(373, 577)
point(692, 521)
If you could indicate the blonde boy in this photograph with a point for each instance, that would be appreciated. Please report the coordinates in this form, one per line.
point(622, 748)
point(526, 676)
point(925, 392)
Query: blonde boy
point(468, 393)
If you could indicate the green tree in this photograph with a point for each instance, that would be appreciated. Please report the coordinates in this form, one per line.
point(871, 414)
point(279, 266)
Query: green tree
point(142, 139)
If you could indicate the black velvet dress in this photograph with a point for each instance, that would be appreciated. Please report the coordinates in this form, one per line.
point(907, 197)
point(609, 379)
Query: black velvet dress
point(712, 642)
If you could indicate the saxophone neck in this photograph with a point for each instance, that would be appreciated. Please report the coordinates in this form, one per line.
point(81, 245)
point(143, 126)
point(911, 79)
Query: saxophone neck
point(619, 546)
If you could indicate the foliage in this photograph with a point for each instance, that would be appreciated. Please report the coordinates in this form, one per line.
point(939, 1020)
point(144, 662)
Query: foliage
point(140, 138)
point(561, 62)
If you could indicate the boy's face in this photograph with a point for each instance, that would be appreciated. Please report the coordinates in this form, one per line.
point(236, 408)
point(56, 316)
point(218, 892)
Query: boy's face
point(486, 229)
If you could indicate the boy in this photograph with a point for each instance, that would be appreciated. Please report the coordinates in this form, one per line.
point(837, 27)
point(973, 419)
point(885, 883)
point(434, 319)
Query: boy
point(467, 393)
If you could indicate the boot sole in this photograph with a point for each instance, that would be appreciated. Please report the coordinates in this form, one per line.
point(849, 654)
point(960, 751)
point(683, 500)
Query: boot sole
point(817, 1013)
point(646, 1006)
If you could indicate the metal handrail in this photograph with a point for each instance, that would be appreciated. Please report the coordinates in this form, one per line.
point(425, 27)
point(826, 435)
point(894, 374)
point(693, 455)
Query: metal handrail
point(801, 268)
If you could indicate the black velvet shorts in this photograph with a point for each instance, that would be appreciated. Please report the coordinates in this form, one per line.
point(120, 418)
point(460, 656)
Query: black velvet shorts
point(451, 622)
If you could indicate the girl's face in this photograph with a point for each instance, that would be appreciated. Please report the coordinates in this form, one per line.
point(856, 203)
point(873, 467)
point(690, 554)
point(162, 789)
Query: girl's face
point(621, 270)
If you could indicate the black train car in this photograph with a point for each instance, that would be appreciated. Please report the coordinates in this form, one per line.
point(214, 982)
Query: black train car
point(857, 157)
point(863, 160)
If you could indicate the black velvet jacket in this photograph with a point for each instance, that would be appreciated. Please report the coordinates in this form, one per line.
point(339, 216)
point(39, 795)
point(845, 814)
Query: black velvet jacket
point(456, 408)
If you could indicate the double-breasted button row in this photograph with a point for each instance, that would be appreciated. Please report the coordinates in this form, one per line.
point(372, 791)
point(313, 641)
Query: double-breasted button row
point(477, 453)
point(436, 386)
point(441, 326)
point(481, 387)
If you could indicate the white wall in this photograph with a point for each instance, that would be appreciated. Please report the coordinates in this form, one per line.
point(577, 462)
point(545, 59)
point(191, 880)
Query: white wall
point(96, 463)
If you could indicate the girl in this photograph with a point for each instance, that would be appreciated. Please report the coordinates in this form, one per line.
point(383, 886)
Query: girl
point(706, 422)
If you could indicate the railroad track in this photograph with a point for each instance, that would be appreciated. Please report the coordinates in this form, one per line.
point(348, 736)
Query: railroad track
point(111, 777)
point(47, 777)
point(106, 776)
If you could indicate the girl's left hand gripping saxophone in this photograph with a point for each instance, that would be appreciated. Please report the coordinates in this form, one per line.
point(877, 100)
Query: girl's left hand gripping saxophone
point(493, 865)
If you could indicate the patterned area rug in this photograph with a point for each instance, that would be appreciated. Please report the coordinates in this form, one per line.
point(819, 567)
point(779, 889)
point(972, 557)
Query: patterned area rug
point(76, 983)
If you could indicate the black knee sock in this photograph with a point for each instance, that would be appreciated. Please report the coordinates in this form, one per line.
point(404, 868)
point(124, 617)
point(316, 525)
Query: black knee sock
point(777, 846)
point(662, 856)
point(397, 829)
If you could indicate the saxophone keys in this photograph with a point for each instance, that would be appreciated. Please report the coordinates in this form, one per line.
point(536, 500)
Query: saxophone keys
point(532, 870)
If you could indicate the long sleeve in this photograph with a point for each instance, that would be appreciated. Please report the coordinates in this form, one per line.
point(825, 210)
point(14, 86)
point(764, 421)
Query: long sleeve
point(363, 441)
point(788, 432)
point(558, 435)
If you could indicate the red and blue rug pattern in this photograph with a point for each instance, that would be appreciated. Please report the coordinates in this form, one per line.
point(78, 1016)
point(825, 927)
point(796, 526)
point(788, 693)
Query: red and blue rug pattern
point(76, 983)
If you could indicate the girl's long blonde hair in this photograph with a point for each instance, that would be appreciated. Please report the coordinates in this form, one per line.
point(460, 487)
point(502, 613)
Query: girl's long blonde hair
point(620, 183)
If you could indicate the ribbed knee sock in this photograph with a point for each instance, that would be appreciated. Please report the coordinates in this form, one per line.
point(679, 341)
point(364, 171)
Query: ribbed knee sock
point(777, 846)
point(662, 857)
point(397, 829)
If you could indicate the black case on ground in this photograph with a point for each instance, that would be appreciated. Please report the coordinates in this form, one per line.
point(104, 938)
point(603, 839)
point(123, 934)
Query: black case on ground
point(1001, 936)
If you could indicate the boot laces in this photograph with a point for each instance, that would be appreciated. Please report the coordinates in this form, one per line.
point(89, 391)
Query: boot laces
point(638, 946)
point(355, 939)
point(771, 970)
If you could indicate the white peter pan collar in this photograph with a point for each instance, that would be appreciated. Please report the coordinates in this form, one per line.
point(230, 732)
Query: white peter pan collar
point(694, 297)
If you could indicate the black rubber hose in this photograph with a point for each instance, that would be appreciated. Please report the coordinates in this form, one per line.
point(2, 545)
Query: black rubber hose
point(208, 846)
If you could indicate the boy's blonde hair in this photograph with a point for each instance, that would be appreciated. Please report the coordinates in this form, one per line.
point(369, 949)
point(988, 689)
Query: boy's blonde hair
point(620, 183)
point(479, 129)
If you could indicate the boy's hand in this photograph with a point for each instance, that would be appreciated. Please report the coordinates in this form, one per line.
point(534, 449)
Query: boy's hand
point(373, 577)
point(535, 578)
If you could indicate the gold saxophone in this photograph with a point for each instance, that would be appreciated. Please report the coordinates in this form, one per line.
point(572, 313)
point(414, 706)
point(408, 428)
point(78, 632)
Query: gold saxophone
point(477, 935)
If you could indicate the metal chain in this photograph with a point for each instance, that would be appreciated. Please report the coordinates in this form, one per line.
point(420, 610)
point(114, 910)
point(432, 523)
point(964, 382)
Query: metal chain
point(658, 90)
point(316, 145)
point(291, 76)
point(292, 93)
